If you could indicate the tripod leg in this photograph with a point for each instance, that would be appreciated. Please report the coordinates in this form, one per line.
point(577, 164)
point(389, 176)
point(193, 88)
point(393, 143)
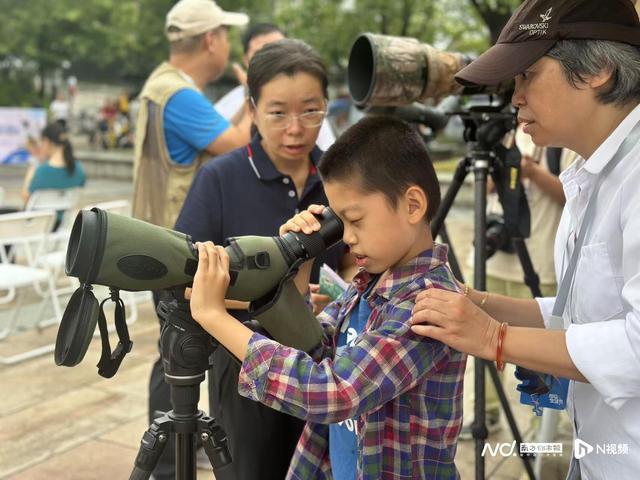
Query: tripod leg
point(510, 418)
point(214, 441)
point(479, 431)
point(453, 260)
point(151, 446)
point(447, 201)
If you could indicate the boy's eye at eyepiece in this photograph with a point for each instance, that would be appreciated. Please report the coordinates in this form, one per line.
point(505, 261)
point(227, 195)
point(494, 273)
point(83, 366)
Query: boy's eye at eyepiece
point(124, 253)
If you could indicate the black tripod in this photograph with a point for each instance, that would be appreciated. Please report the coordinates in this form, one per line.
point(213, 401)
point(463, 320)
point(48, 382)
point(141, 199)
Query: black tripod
point(185, 349)
point(484, 130)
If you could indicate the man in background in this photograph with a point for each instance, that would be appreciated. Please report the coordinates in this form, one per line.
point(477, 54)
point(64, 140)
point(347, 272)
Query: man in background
point(177, 127)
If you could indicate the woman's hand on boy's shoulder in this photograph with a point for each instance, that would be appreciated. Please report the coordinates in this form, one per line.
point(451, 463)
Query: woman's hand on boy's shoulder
point(304, 221)
point(453, 319)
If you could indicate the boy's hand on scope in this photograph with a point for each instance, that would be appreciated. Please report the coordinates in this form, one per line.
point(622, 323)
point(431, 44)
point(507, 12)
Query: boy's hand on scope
point(210, 282)
point(304, 221)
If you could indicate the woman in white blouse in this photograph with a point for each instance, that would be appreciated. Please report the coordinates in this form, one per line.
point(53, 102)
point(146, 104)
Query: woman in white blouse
point(577, 71)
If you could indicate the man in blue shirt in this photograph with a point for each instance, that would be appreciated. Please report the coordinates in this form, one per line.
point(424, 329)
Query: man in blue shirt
point(178, 129)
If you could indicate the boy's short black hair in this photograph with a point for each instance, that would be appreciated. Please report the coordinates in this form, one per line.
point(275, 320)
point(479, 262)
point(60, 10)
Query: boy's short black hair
point(387, 155)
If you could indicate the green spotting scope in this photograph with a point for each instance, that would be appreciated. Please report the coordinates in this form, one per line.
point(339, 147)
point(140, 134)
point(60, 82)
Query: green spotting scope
point(124, 253)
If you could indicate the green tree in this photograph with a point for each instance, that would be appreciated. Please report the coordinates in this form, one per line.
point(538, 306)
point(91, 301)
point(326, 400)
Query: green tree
point(113, 39)
point(116, 40)
point(495, 14)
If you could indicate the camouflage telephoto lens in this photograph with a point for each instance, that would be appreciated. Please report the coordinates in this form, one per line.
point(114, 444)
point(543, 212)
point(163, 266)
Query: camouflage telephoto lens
point(388, 70)
point(385, 70)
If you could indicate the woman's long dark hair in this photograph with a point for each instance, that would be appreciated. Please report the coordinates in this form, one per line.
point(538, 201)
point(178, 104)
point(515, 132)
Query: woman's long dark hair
point(57, 134)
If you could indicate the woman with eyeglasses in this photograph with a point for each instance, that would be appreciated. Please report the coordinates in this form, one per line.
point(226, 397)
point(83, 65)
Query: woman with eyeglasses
point(252, 191)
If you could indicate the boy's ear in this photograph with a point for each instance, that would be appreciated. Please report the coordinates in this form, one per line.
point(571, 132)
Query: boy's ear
point(416, 203)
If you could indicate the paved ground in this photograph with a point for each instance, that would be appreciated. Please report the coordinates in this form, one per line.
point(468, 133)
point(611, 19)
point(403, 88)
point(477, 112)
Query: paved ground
point(71, 424)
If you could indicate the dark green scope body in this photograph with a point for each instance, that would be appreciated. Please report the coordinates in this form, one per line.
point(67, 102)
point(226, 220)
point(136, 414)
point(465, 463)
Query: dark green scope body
point(129, 254)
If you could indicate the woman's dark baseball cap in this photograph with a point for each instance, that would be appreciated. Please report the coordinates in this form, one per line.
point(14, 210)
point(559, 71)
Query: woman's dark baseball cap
point(537, 25)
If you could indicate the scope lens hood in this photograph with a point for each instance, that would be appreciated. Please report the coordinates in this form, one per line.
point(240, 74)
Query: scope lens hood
point(86, 245)
point(77, 326)
point(361, 74)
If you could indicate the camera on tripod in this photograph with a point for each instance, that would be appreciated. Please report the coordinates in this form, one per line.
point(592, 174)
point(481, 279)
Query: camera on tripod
point(397, 75)
point(498, 238)
point(128, 254)
point(385, 70)
point(400, 76)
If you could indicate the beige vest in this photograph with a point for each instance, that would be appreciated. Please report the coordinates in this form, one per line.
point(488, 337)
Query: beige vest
point(160, 185)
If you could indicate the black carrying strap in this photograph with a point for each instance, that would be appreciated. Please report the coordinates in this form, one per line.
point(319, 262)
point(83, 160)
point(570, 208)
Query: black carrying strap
point(517, 216)
point(110, 361)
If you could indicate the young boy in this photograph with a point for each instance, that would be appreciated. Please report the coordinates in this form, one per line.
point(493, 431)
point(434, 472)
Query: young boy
point(379, 401)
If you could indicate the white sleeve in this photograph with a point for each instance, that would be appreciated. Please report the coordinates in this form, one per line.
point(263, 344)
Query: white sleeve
point(325, 136)
point(603, 352)
point(231, 103)
point(546, 308)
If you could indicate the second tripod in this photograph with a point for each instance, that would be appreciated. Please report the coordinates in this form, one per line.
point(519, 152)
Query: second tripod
point(485, 128)
point(185, 349)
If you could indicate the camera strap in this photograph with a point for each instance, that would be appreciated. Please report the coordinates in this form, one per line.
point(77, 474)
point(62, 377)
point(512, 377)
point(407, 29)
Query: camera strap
point(110, 361)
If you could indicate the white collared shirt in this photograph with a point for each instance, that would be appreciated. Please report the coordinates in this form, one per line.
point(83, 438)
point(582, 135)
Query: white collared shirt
point(602, 316)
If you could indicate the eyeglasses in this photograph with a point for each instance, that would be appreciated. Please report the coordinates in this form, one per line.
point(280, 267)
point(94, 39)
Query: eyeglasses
point(281, 121)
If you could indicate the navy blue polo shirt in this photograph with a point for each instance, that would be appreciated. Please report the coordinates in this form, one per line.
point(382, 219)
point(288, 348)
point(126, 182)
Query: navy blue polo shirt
point(243, 193)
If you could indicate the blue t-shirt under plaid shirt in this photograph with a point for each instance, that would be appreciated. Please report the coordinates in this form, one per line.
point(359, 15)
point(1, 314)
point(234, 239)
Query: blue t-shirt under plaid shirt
point(404, 389)
point(343, 436)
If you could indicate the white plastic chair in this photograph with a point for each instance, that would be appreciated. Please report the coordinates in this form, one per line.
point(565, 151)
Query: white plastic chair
point(60, 200)
point(121, 207)
point(54, 199)
point(28, 232)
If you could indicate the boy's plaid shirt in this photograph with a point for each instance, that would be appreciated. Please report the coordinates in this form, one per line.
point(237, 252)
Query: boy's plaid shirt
point(405, 390)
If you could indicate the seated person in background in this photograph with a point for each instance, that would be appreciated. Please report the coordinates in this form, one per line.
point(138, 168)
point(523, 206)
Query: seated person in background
point(379, 402)
point(59, 169)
